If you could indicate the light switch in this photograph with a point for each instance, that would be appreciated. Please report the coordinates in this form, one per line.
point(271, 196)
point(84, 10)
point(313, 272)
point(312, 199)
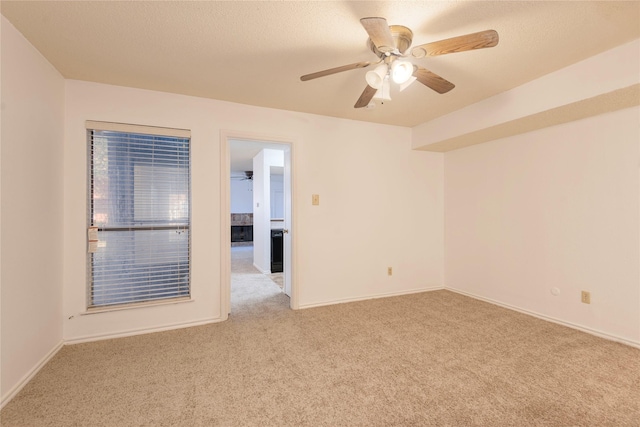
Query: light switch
point(315, 199)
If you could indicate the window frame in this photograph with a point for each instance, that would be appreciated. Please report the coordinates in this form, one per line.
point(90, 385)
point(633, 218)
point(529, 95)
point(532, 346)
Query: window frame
point(146, 131)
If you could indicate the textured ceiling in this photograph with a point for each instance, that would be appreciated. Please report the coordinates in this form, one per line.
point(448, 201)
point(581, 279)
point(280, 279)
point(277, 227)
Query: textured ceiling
point(255, 52)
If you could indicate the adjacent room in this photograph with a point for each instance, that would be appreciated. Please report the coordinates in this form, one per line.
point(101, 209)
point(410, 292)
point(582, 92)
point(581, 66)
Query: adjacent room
point(257, 204)
point(320, 213)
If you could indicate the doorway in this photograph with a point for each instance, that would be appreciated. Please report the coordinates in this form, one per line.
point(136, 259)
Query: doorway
point(264, 237)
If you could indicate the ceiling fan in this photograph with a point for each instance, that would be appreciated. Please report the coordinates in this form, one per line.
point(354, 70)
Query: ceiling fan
point(389, 43)
point(248, 176)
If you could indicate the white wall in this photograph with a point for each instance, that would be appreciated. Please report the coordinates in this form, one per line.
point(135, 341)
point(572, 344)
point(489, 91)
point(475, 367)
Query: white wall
point(261, 251)
point(241, 196)
point(32, 209)
point(262, 164)
point(381, 204)
point(277, 196)
point(558, 207)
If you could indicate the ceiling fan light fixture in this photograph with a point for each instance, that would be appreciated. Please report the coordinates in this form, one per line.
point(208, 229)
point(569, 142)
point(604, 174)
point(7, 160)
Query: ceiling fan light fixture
point(401, 71)
point(406, 84)
point(384, 93)
point(375, 78)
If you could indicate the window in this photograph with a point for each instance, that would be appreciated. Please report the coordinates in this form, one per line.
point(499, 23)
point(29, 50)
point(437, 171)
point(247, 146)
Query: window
point(139, 202)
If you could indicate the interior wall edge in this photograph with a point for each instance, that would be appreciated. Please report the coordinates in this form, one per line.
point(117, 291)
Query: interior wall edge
point(30, 374)
point(586, 88)
point(605, 335)
point(627, 97)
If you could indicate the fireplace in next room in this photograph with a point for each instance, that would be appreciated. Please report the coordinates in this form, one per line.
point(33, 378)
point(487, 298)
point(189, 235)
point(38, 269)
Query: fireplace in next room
point(241, 227)
point(242, 233)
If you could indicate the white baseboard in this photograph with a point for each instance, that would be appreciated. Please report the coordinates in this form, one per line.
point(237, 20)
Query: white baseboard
point(581, 328)
point(29, 375)
point(141, 331)
point(261, 270)
point(368, 297)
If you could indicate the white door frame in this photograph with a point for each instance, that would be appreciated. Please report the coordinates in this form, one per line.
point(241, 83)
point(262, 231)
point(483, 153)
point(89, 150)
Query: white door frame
point(225, 214)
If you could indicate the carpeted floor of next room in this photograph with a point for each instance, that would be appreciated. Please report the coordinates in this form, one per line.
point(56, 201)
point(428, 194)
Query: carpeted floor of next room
point(435, 358)
point(249, 287)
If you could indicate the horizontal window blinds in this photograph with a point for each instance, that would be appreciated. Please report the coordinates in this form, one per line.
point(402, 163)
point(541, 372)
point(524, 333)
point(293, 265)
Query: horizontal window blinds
point(139, 129)
point(139, 201)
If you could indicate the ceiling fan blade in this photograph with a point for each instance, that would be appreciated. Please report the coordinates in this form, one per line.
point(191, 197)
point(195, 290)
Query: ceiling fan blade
point(433, 80)
point(481, 40)
point(366, 97)
point(379, 33)
point(334, 71)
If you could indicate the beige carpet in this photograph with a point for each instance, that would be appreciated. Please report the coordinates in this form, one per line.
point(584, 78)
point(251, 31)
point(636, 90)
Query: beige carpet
point(278, 278)
point(435, 359)
point(242, 269)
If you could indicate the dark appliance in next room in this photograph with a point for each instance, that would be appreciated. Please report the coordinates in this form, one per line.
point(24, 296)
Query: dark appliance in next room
point(277, 251)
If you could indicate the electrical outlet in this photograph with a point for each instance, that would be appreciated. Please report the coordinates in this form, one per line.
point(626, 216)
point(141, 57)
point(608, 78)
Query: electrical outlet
point(389, 271)
point(586, 297)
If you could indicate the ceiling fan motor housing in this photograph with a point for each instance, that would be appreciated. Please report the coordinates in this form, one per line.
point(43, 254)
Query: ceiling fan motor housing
point(402, 37)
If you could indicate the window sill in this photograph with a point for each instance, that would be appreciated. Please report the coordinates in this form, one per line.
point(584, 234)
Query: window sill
point(136, 305)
